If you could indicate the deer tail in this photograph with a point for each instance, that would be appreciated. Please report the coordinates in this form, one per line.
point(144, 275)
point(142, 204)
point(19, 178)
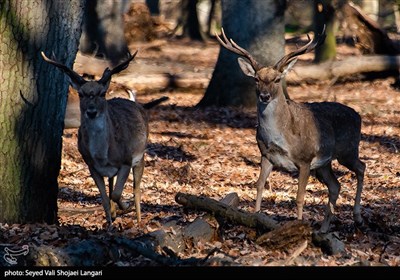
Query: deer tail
point(154, 103)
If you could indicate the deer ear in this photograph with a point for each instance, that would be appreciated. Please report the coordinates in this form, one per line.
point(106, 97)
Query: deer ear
point(246, 67)
point(106, 78)
point(286, 70)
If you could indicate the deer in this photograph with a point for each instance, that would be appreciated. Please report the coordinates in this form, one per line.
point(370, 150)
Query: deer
point(112, 136)
point(301, 137)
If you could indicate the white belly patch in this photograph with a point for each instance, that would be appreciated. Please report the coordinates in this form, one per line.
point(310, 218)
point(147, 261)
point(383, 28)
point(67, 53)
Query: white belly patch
point(282, 161)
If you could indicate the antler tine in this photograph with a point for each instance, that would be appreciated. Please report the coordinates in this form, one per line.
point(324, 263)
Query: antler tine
point(123, 65)
point(253, 62)
point(233, 47)
point(225, 43)
point(72, 74)
point(311, 45)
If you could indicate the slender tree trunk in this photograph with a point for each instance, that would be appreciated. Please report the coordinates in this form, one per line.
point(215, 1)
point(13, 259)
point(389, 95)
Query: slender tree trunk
point(190, 21)
point(33, 98)
point(104, 30)
point(324, 14)
point(211, 17)
point(371, 8)
point(154, 7)
point(396, 11)
point(257, 26)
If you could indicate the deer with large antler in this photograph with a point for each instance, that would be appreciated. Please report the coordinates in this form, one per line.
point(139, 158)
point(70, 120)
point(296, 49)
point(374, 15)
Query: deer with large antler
point(112, 137)
point(301, 137)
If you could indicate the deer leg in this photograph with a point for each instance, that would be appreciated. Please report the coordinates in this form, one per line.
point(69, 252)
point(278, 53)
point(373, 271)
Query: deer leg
point(112, 203)
point(358, 167)
point(122, 176)
point(326, 176)
point(99, 180)
point(137, 178)
point(266, 168)
point(304, 174)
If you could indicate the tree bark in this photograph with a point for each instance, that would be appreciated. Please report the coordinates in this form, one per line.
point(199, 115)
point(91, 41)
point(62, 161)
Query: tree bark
point(190, 21)
point(257, 26)
point(210, 17)
point(104, 30)
point(33, 99)
point(285, 236)
point(324, 14)
point(254, 220)
point(371, 8)
point(154, 7)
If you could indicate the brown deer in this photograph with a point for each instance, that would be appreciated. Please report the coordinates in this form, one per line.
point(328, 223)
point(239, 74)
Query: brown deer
point(301, 136)
point(112, 136)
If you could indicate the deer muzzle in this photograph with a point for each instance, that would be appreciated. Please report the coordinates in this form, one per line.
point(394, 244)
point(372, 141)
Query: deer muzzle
point(264, 97)
point(91, 112)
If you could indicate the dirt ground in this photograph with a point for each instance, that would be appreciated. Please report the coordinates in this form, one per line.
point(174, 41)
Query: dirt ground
point(213, 152)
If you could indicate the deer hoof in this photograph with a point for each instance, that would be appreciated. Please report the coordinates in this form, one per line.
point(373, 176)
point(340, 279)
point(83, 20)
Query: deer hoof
point(360, 224)
point(123, 205)
point(109, 227)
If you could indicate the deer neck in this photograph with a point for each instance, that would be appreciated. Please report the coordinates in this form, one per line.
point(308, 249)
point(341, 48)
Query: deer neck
point(97, 133)
point(273, 117)
point(277, 108)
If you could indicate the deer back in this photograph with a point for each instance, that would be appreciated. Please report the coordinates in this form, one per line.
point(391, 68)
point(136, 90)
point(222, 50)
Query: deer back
point(342, 122)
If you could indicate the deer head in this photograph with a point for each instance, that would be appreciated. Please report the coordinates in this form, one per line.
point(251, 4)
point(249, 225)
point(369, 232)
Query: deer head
point(91, 93)
point(268, 78)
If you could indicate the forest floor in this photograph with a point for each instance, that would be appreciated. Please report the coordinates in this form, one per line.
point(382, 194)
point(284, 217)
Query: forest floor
point(212, 152)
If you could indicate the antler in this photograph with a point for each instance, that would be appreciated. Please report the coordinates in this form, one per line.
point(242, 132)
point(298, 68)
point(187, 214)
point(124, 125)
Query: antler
point(123, 65)
point(311, 45)
point(233, 47)
point(75, 77)
point(72, 74)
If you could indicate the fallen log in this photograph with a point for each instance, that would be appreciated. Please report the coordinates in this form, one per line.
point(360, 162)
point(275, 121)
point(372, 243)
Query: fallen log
point(289, 234)
point(254, 220)
point(338, 69)
point(163, 81)
point(343, 69)
point(371, 38)
point(202, 229)
point(276, 237)
point(329, 243)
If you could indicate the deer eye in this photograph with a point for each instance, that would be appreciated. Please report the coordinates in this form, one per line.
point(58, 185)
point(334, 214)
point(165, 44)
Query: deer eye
point(257, 80)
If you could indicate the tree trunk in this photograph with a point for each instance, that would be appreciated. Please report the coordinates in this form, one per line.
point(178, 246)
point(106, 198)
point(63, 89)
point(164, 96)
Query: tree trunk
point(324, 14)
point(257, 26)
point(154, 7)
point(211, 17)
point(190, 21)
point(33, 99)
point(371, 8)
point(103, 30)
point(396, 7)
